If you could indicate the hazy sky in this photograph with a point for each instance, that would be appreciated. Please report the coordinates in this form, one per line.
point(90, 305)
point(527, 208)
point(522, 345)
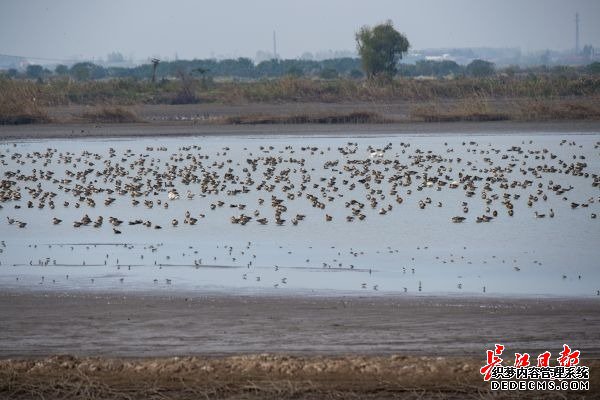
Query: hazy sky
point(200, 29)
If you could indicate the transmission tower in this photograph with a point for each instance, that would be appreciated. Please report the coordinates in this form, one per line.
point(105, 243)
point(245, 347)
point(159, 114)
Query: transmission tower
point(576, 33)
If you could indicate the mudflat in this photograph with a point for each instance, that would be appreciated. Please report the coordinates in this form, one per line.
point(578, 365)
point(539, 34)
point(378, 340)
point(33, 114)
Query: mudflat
point(203, 346)
point(187, 128)
point(121, 325)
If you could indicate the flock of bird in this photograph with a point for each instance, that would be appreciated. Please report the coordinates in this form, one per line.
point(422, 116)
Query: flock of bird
point(275, 186)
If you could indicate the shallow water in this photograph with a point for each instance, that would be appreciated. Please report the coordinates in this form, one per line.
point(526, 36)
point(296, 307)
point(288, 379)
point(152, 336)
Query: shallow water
point(406, 250)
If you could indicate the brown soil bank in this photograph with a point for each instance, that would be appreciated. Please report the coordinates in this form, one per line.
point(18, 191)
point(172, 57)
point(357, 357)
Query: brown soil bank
point(258, 377)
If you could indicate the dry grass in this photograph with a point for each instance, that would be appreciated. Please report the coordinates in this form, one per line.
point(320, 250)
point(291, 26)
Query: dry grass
point(466, 99)
point(252, 377)
point(356, 117)
point(484, 109)
point(104, 93)
point(19, 104)
point(110, 115)
point(290, 89)
point(476, 109)
point(539, 110)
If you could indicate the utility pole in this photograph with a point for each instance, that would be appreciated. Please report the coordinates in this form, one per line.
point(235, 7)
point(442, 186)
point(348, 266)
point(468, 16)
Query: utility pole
point(576, 33)
point(274, 46)
point(155, 62)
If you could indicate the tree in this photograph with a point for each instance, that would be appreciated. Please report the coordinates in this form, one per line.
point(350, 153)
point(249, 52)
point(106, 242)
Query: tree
point(436, 68)
point(480, 68)
point(61, 69)
point(12, 73)
point(86, 70)
point(295, 71)
point(380, 49)
point(328, 73)
point(81, 71)
point(34, 71)
point(594, 67)
point(356, 74)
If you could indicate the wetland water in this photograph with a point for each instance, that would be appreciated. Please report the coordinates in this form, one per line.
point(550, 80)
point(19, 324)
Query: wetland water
point(358, 215)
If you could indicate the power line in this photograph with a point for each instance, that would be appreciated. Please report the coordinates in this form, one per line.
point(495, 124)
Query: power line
point(42, 58)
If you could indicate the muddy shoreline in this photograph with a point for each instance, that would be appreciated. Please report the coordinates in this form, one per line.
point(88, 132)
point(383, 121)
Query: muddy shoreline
point(110, 325)
point(59, 346)
point(186, 128)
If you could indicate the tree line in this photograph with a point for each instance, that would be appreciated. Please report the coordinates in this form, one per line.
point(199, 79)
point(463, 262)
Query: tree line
point(381, 49)
point(244, 68)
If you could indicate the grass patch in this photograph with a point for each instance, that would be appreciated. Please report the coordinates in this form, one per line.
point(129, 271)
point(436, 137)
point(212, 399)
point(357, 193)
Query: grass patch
point(480, 109)
point(290, 89)
point(357, 117)
point(464, 110)
point(535, 110)
point(60, 91)
point(19, 105)
point(111, 115)
point(497, 98)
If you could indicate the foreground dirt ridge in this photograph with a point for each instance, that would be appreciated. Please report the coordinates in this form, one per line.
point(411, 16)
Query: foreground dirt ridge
point(256, 376)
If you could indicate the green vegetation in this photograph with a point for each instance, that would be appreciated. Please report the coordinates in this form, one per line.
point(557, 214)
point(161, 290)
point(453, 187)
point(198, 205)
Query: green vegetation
point(244, 70)
point(480, 68)
point(240, 68)
point(430, 85)
point(462, 99)
point(516, 97)
point(594, 68)
point(34, 71)
point(381, 49)
point(431, 68)
point(62, 91)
